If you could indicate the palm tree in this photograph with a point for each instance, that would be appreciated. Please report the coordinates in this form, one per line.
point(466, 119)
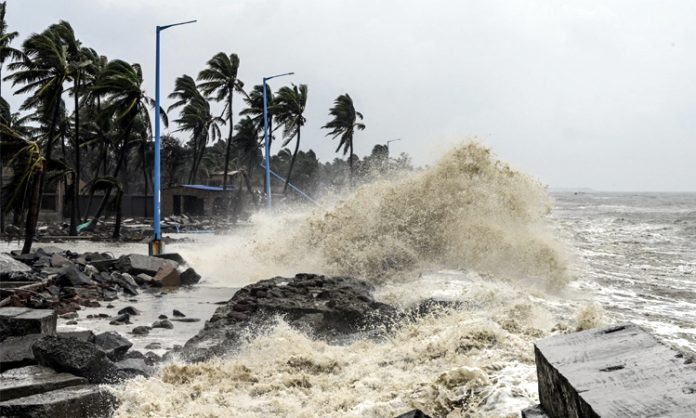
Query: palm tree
point(195, 117)
point(220, 79)
point(6, 51)
point(120, 83)
point(289, 107)
point(254, 110)
point(343, 125)
point(42, 69)
point(248, 153)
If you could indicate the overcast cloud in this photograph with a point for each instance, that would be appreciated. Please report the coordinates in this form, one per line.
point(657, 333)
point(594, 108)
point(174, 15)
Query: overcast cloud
point(598, 94)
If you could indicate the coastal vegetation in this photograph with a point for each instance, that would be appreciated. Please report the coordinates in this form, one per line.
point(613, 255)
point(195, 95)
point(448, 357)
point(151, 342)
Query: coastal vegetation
point(85, 124)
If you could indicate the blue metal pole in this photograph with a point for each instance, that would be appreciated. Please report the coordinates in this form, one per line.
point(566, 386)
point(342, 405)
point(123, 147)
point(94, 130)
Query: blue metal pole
point(266, 146)
point(155, 247)
point(156, 197)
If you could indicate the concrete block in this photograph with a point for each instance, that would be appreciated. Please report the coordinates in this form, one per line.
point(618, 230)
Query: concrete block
point(619, 371)
point(30, 380)
point(24, 321)
point(9, 264)
point(70, 402)
point(16, 351)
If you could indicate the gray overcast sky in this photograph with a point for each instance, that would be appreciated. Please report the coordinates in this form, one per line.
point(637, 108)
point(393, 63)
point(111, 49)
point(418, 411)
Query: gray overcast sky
point(592, 93)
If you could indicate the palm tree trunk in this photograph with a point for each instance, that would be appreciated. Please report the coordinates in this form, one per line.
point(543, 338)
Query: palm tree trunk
point(229, 141)
point(107, 194)
point(292, 162)
point(75, 207)
point(117, 225)
point(144, 164)
point(38, 188)
point(350, 163)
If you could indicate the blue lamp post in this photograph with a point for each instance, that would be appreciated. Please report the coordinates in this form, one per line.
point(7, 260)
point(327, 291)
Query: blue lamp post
point(155, 247)
point(265, 138)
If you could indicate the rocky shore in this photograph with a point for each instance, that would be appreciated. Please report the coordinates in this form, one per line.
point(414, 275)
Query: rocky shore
point(65, 374)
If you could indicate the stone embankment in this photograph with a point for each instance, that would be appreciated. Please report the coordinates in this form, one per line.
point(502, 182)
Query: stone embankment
point(46, 373)
point(618, 371)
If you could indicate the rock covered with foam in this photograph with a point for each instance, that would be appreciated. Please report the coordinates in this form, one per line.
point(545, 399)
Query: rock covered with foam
point(327, 307)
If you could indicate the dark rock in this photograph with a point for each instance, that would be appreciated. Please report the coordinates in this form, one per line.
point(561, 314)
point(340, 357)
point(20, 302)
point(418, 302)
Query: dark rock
point(331, 308)
point(134, 354)
point(58, 260)
point(122, 319)
point(162, 323)
point(105, 265)
point(152, 358)
point(129, 310)
point(416, 413)
point(71, 323)
point(178, 313)
point(87, 335)
point(142, 279)
point(23, 321)
point(126, 282)
point(163, 316)
point(69, 275)
point(133, 367)
point(619, 371)
point(113, 344)
point(534, 412)
point(136, 264)
point(31, 380)
point(175, 257)
point(190, 277)
point(48, 250)
point(167, 276)
point(141, 330)
point(16, 352)
point(109, 295)
point(154, 346)
point(70, 402)
point(186, 320)
point(81, 358)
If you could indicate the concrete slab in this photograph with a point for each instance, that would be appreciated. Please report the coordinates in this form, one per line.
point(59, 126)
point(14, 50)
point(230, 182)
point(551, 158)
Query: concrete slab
point(619, 371)
point(24, 321)
point(16, 351)
point(30, 380)
point(71, 402)
point(9, 264)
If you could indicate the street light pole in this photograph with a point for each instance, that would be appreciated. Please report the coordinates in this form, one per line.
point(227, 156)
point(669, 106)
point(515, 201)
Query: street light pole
point(391, 140)
point(265, 139)
point(155, 247)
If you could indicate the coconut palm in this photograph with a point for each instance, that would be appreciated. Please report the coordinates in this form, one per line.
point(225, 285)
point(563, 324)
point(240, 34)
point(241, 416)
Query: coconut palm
point(343, 125)
point(290, 103)
point(254, 110)
point(124, 100)
point(195, 117)
point(248, 153)
point(220, 81)
point(6, 51)
point(42, 70)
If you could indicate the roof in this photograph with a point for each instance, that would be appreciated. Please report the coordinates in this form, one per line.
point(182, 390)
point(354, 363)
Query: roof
point(202, 187)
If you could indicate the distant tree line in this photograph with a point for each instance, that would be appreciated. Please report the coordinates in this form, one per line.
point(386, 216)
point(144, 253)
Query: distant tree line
point(85, 120)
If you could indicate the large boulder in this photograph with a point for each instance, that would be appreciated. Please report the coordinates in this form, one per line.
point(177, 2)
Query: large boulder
point(23, 321)
point(74, 401)
point(9, 264)
point(71, 355)
point(135, 264)
point(328, 307)
point(30, 380)
point(69, 275)
point(113, 344)
point(167, 276)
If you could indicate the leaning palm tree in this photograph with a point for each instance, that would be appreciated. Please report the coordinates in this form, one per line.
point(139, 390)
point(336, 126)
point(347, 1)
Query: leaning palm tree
point(254, 110)
point(195, 117)
point(42, 70)
point(220, 80)
point(343, 125)
point(289, 107)
point(120, 84)
point(6, 51)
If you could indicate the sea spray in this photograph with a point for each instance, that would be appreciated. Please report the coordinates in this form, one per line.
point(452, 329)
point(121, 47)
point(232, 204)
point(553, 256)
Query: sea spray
point(469, 213)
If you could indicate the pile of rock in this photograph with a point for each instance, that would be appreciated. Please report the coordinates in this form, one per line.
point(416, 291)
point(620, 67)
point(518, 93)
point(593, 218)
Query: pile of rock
point(52, 278)
point(45, 373)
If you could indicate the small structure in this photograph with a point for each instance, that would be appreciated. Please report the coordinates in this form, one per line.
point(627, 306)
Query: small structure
point(195, 200)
